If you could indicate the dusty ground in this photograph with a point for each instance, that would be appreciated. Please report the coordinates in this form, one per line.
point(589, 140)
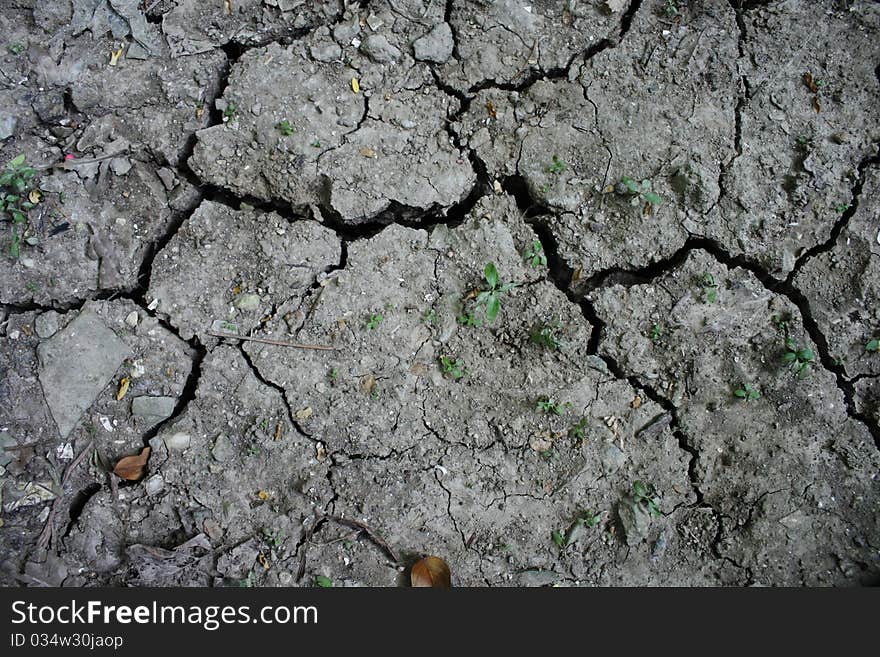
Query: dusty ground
point(682, 387)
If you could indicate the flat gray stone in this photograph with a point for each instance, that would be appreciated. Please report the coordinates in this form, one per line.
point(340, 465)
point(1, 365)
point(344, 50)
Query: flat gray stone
point(46, 325)
point(75, 365)
point(153, 409)
point(436, 46)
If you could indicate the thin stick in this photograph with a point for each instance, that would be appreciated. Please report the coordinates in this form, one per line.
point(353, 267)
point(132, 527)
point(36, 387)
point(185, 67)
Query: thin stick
point(277, 343)
point(70, 164)
point(372, 535)
point(45, 538)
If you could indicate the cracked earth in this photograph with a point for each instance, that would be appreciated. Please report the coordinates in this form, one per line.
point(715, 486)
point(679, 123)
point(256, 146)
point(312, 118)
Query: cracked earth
point(338, 174)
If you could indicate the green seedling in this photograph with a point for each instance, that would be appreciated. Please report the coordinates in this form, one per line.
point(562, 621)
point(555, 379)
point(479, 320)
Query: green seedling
point(747, 392)
point(14, 200)
point(710, 288)
point(323, 582)
point(15, 48)
point(535, 255)
point(316, 144)
point(453, 368)
point(556, 166)
point(490, 298)
point(230, 110)
point(670, 9)
point(645, 496)
point(374, 321)
point(285, 128)
point(429, 317)
point(468, 319)
point(558, 539)
point(589, 518)
point(799, 359)
point(545, 336)
point(840, 208)
point(333, 375)
point(656, 333)
point(579, 430)
point(873, 345)
point(640, 191)
point(550, 407)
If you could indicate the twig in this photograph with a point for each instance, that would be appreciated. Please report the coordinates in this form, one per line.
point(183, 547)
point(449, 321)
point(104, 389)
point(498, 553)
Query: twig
point(372, 535)
point(277, 343)
point(70, 164)
point(45, 536)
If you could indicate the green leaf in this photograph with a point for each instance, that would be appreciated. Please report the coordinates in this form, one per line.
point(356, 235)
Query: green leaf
point(652, 198)
point(558, 539)
point(630, 184)
point(492, 308)
point(873, 345)
point(323, 582)
point(639, 489)
point(805, 355)
point(18, 217)
point(491, 275)
point(789, 357)
point(16, 162)
point(740, 393)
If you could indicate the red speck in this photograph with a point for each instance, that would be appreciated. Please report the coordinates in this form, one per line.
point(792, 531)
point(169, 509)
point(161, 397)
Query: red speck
point(68, 157)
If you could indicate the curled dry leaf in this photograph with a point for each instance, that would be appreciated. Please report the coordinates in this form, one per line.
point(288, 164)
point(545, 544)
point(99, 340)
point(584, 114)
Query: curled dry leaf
point(431, 572)
point(132, 468)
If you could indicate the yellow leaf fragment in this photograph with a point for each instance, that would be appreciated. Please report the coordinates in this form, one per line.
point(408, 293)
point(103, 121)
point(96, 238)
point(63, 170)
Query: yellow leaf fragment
point(355, 85)
point(367, 152)
point(34, 196)
point(123, 388)
point(114, 56)
point(263, 495)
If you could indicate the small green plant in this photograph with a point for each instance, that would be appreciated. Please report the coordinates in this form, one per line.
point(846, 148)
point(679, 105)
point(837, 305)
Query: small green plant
point(274, 537)
point(710, 288)
point(645, 496)
point(535, 255)
point(556, 166)
point(14, 200)
point(490, 298)
point(670, 9)
point(747, 392)
point(374, 321)
point(229, 112)
point(800, 359)
point(453, 368)
point(285, 128)
point(550, 407)
point(468, 319)
point(579, 430)
point(323, 582)
point(656, 333)
point(840, 208)
point(429, 317)
point(333, 375)
point(873, 345)
point(316, 144)
point(15, 48)
point(640, 192)
point(558, 539)
point(589, 518)
point(545, 336)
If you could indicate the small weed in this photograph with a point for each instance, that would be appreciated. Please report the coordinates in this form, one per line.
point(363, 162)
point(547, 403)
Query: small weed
point(747, 392)
point(321, 581)
point(556, 166)
point(579, 430)
point(274, 538)
point(656, 333)
point(589, 518)
point(873, 345)
point(639, 191)
point(545, 336)
point(285, 128)
point(429, 317)
point(14, 199)
point(333, 375)
point(840, 208)
point(535, 255)
point(710, 288)
point(374, 321)
point(316, 144)
point(558, 539)
point(229, 112)
point(645, 496)
point(670, 10)
point(802, 141)
point(468, 319)
point(15, 48)
point(800, 359)
point(550, 407)
point(490, 298)
point(453, 368)
point(32, 287)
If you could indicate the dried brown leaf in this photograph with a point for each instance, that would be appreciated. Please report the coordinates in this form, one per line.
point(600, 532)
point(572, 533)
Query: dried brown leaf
point(431, 572)
point(132, 468)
